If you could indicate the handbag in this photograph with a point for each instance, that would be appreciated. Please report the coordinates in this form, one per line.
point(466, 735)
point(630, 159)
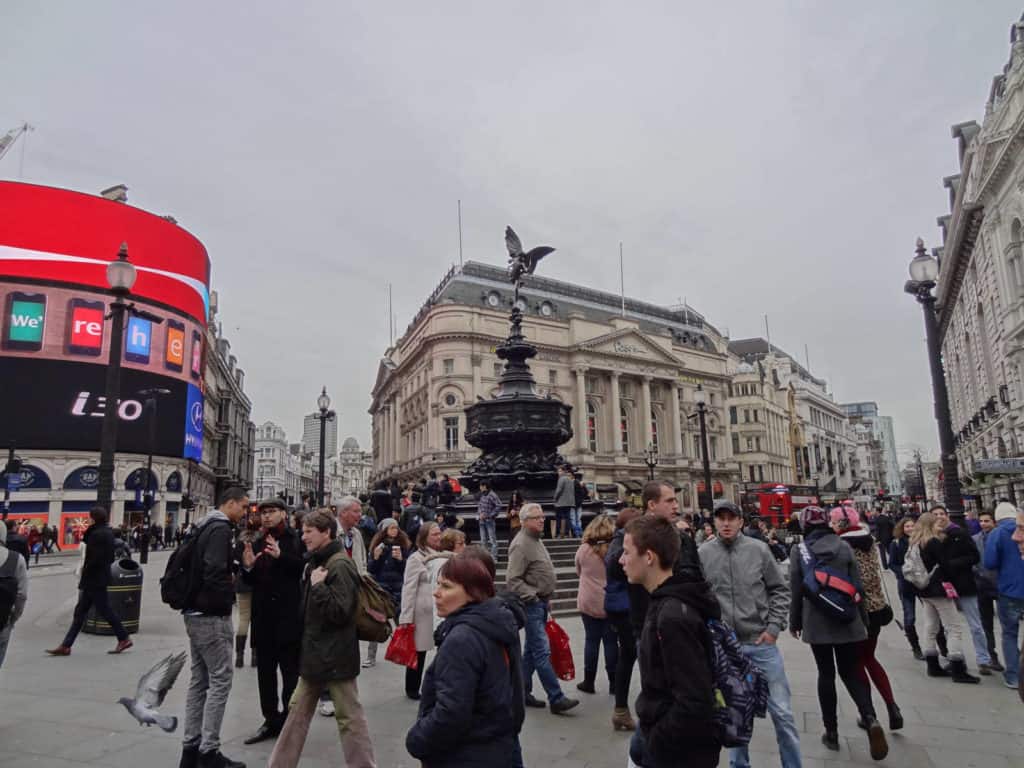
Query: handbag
point(561, 653)
point(882, 617)
point(402, 648)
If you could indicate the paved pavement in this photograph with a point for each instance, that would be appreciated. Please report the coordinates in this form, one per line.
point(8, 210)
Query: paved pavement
point(59, 713)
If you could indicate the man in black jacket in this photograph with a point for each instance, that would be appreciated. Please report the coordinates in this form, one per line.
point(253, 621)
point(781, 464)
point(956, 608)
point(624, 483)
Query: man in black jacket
point(273, 567)
point(677, 699)
point(99, 554)
point(15, 541)
point(208, 625)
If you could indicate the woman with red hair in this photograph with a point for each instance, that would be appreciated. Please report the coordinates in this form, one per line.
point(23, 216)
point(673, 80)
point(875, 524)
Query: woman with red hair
point(472, 705)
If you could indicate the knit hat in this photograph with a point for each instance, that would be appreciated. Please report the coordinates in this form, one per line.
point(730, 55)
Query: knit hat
point(812, 515)
point(1005, 511)
point(386, 523)
point(847, 516)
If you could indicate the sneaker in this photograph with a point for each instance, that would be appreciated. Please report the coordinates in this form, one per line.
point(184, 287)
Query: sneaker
point(367, 663)
point(563, 705)
point(122, 645)
point(985, 669)
point(995, 666)
point(1012, 685)
point(326, 708)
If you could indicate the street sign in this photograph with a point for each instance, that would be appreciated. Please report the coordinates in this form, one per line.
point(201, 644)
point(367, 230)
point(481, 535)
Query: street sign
point(14, 481)
point(1000, 466)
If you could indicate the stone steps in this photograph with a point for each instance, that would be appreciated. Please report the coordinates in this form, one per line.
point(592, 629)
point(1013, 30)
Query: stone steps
point(563, 557)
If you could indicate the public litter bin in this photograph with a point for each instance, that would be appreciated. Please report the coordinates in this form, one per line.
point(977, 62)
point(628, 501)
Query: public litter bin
point(125, 595)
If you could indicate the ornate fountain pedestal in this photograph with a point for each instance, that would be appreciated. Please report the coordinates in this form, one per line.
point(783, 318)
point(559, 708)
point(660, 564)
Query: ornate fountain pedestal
point(517, 432)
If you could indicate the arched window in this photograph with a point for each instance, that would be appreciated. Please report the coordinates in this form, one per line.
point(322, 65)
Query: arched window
point(986, 352)
point(624, 428)
point(591, 425)
point(654, 432)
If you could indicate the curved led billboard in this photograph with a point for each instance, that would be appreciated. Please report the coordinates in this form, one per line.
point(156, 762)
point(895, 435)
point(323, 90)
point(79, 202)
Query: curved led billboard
point(55, 331)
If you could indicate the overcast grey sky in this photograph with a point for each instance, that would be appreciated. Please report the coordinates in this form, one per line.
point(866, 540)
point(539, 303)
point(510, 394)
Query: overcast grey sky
point(757, 157)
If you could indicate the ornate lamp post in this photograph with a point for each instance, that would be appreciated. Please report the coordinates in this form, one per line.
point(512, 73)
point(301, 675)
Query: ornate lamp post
point(323, 403)
point(121, 276)
point(700, 397)
point(651, 460)
point(924, 271)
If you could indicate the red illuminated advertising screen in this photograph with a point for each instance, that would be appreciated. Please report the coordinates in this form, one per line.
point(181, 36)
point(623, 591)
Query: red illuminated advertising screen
point(55, 246)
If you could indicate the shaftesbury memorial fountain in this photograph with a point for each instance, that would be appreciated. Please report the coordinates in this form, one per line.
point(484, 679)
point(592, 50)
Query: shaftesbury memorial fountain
point(517, 431)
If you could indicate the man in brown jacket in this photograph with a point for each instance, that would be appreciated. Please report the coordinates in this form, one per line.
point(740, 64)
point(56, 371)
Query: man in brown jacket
point(531, 577)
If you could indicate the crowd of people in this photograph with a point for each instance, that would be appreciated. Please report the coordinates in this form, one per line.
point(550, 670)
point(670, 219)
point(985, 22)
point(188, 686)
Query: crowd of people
point(650, 581)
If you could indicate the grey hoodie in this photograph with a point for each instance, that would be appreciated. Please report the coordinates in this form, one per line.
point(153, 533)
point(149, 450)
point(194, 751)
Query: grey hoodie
point(749, 586)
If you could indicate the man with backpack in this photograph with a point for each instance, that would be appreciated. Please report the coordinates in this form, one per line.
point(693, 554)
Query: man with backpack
point(13, 591)
point(754, 598)
point(207, 559)
point(99, 555)
point(330, 648)
point(272, 566)
point(677, 685)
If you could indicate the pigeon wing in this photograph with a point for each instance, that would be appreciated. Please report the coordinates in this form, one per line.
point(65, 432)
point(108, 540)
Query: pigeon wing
point(515, 248)
point(154, 685)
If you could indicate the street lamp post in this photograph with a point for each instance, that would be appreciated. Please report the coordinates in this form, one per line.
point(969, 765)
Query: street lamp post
point(700, 397)
point(323, 403)
point(651, 460)
point(924, 271)
point(120, 277)
point(147, 500)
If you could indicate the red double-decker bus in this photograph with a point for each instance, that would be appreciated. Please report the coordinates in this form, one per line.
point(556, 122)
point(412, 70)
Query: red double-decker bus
point(776, 502)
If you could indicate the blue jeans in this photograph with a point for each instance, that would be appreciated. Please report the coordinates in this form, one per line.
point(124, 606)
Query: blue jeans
point(909, 608)
point(969, 608)
point(489, 536)
point(563, 520)
point(576, 521)
point(537, 653)
point(5, 639)
point(768, 659)
point(1011, 609)
point(598, 631)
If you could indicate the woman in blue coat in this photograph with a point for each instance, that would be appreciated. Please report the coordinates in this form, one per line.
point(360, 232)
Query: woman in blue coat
point(387, 553)
point(472, 704)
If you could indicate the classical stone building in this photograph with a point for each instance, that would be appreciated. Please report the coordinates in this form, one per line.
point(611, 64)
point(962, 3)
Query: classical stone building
point(628, 368)
point(820, 448)
point(350, 470)
point(759, 421)
point(980, 292)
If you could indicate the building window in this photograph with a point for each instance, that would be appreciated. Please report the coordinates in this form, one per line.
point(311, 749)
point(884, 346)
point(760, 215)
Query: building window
point(732, 415)
point(735, 443)
point(746, 415)
point(698, 451)
point(449, 400)
point(750, 444)
point(590, 384)
point(760, 472)
point(497, 370)
point(654, 432)
point(448, 366)
point(451, 433)
point(755, 416)
point(750, 469)
point(1014, 263)
point(757, 443)
point(591, 426)
point(713, 448)
point(552, 376)
point(624, 428)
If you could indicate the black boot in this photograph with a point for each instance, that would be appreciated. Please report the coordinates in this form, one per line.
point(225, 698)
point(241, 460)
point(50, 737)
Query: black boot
point(915, 644)
point(895, 717)
point(879, 747)
point(958, 668)
point(934, 668)
point(189, 757)
point(831, 740)
point(240, 651)
point(216, 759)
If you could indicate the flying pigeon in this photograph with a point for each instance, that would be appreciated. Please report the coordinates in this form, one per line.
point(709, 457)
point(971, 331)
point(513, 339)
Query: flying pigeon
point(520, 263)
point(153, 687)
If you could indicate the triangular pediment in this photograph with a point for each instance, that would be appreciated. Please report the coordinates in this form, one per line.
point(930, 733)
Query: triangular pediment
point(385, 369)
point(630, 343)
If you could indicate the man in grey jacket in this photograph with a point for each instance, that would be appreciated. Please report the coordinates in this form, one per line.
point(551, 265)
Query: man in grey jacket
point(531, 577)
point(12, 568)
point(565, 501)
point(754, 597)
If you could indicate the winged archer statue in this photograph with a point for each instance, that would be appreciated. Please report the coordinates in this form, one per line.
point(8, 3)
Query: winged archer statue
point(520, 263)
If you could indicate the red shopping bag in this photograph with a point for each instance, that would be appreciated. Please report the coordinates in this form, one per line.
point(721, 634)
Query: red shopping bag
point(402, 648)
point(561, 653)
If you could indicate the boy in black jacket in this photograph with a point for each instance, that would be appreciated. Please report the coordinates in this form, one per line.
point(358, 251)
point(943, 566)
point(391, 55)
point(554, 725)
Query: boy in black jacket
point(676, 699)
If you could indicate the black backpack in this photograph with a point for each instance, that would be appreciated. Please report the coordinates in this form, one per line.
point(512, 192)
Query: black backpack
point(179, 584)
point(8, 586)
